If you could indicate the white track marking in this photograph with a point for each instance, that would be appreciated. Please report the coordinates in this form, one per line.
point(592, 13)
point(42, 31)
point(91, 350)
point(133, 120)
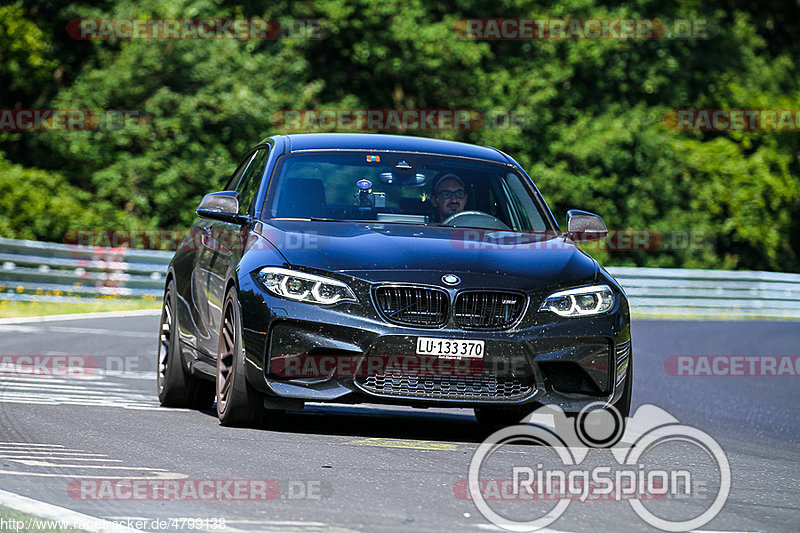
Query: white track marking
point(130, 374)
point(491, 527)
point(100, 331)
point(20, 458)
point(89, 391)
point(81, 316)
point(284, 526)
point(49, 511)
point(31, 444)
point(48, 455)
point(97, 377)
point(52, 387)
point(75, 460)
point(64, 329)
point(40, 399)
point(51, 382)
point(27, 462)
point(19, 329)
point(156, 475)
point(266, 526)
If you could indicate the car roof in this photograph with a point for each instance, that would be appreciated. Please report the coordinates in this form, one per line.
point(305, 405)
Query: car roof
point(379, 142)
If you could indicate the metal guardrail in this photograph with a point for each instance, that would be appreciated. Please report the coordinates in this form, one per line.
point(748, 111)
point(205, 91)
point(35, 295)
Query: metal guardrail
point(739, 293)
point(32, 270)
point(43, 271)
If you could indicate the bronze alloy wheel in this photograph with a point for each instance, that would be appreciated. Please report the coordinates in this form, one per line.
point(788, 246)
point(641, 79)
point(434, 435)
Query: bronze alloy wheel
point(165, 340)
point(176, 387)
point(237, 403)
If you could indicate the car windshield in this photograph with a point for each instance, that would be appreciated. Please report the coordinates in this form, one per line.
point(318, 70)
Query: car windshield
point(404, 188)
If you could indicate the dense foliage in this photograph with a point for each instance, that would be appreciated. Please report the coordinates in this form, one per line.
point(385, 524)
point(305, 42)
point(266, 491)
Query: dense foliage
point(589, 114)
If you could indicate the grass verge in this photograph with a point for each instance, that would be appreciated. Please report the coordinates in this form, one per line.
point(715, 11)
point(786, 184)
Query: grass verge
point(16, 522)
point(13, 308)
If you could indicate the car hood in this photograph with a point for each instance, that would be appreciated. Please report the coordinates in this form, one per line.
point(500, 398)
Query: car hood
point(399, 252)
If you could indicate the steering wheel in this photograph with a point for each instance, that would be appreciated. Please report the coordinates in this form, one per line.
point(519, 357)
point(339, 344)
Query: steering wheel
point(474, 219)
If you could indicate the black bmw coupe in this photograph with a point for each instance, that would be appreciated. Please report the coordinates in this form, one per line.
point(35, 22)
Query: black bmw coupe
point(352, 268)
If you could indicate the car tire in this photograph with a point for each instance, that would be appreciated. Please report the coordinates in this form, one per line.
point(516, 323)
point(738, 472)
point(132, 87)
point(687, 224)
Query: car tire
point(176, 387)
point(238, 404)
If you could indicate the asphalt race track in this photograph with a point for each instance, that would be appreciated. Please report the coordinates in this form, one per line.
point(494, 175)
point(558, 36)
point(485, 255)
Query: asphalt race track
point(369, 468)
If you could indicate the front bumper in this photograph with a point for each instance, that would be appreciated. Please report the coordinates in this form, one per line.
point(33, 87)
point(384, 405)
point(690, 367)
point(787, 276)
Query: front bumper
point(544, 359)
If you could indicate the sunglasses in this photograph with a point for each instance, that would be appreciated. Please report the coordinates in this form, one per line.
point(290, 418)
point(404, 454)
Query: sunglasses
point(446, 195)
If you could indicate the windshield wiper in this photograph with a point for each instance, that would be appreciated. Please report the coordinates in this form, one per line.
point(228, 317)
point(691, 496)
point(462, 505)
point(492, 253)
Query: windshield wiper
point(313, 219)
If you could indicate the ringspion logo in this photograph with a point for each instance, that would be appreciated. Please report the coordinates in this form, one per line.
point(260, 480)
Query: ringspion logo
point(634, 473)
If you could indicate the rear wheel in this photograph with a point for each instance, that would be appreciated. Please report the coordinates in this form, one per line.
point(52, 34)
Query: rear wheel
point(237, 403)
point(176, 387)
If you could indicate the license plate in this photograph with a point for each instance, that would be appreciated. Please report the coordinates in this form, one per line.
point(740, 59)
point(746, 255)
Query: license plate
point(449, 348)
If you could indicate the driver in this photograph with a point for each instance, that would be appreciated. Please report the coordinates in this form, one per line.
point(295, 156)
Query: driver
point(449, 196)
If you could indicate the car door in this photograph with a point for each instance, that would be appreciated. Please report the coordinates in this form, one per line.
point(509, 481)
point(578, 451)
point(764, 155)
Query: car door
point(226, 242)
point(205, 250)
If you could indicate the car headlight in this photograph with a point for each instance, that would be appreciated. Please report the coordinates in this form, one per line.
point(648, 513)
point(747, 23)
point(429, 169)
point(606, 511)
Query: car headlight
point(582, 301)
point(305, 287)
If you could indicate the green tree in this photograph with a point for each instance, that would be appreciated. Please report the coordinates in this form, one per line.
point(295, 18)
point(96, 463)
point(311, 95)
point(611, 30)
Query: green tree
point(591, 125)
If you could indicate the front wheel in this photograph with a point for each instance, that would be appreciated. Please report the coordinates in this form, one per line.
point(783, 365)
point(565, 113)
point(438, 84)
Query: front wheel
point(237, 403)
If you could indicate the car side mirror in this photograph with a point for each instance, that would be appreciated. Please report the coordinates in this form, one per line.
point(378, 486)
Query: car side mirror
point(585, 226)
point(223, 205)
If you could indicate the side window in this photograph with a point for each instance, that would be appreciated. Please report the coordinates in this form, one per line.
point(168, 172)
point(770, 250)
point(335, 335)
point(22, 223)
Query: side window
point(239, 171)
point(525, 215)
point(251, 178)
